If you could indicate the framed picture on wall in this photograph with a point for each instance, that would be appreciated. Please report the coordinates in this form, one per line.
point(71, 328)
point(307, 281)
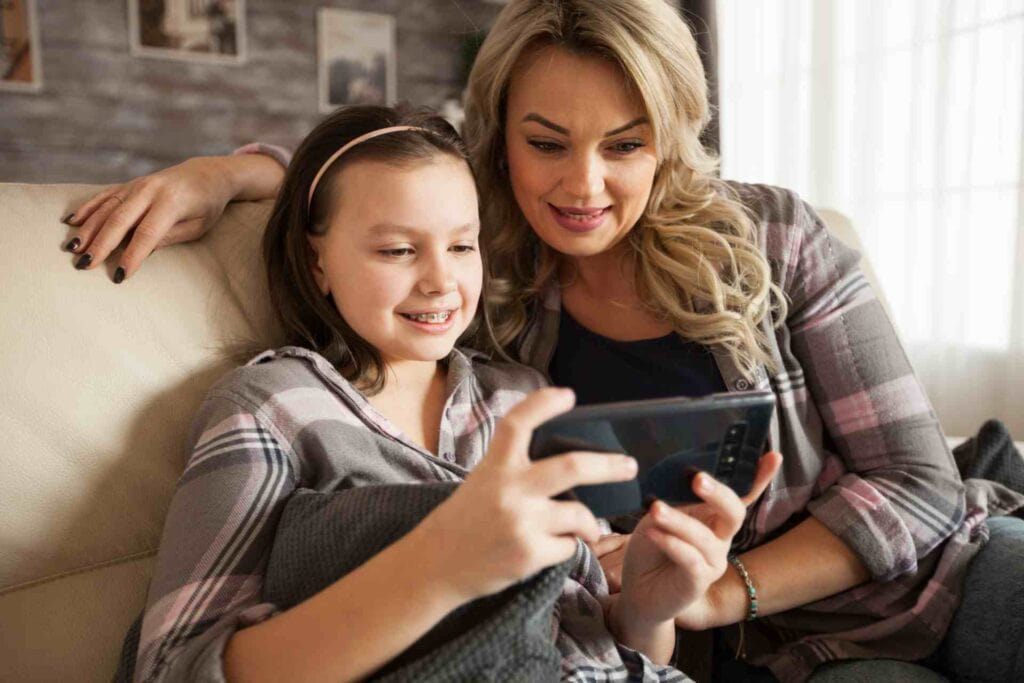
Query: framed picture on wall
point(20, 68)
point(191, 30)
point(355, 58)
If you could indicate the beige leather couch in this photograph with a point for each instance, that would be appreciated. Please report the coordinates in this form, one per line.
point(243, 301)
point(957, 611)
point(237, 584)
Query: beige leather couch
point(100, 382)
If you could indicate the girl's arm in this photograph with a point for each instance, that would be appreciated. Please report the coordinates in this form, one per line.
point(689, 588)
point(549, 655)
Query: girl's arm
point(177, 204)
point(356, 625)
point(205, 594)
point(204, 613)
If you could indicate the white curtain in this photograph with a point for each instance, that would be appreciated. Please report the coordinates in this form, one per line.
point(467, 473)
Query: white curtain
point(906, 116)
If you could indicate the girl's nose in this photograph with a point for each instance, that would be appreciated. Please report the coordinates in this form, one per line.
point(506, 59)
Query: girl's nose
point(438, 276)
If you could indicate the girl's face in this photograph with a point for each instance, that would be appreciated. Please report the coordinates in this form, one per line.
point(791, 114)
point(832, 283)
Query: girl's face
point(580, 150)
point(401, 255)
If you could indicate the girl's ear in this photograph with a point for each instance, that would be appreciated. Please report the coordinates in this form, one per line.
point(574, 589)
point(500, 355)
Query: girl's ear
point(316, 263)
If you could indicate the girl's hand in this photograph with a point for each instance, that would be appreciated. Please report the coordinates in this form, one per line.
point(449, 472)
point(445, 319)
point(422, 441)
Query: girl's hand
point(177, 204)
point(675, 555)
point(502, 525)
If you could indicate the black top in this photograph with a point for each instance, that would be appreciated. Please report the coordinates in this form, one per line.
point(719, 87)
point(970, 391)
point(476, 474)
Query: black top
point(602, 370)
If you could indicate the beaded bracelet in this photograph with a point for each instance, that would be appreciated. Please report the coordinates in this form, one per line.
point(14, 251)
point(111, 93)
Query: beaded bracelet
point(751, 590)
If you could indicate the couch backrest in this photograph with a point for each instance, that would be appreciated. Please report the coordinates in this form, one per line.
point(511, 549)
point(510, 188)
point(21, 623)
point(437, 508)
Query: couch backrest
point(100, 383)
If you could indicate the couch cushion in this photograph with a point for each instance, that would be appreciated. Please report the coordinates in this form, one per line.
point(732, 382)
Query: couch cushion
point(100, 383)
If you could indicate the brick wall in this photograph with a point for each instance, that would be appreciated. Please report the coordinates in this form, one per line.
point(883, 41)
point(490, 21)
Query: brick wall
point(105, 116)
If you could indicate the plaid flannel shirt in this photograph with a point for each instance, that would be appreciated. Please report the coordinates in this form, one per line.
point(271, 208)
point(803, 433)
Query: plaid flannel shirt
point(863, 452)
point(288, 420)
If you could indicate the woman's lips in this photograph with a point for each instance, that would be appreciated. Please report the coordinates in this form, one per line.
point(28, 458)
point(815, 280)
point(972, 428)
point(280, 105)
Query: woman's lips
point(579, 220)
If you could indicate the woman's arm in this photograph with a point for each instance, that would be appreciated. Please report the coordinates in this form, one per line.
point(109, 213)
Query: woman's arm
point(897, 495)
point(177, 204)
point(805, 564)
point(673, 559)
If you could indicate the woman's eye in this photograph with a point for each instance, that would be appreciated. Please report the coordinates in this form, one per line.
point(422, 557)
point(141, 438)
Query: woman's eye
point(626, 147)
point(396, 253)
point(545, 146)
point(464, 248)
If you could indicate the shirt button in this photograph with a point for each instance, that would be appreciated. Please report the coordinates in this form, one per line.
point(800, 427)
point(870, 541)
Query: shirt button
point(742, 384)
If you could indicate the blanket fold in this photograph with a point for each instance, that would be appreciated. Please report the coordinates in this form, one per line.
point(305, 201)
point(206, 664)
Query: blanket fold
point(508, 636)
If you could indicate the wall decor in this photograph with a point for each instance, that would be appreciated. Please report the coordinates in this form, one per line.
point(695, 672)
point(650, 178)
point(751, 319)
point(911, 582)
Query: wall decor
point(192, 30)
point(355, 58)
point(20, 68)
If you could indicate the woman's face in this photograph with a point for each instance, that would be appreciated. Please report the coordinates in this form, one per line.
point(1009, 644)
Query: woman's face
point(400, 255)
point(580, 150)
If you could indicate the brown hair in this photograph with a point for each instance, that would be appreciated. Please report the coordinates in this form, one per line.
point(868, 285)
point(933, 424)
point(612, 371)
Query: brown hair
point(307, 317)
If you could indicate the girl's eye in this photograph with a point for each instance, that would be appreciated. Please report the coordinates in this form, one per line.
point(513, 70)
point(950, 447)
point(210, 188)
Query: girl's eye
point(545, 146)
point(626, 147)
point(396, 253)
point(464, 248)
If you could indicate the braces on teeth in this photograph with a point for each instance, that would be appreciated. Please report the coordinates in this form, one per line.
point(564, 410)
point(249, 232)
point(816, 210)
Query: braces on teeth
point(429, 317)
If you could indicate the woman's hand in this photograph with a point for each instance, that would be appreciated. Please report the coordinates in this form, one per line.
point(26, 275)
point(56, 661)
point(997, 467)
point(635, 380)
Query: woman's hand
point(502, 525)
point(177, 204)
point(675, 555)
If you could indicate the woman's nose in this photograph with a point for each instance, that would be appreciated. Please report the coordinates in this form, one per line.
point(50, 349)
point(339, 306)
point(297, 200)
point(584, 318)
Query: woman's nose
point(584, 178)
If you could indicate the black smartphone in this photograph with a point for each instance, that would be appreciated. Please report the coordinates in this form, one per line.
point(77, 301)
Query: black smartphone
point(671, 439)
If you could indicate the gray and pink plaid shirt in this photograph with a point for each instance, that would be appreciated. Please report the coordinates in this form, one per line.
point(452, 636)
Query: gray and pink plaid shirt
point(288, 420)
point(863, 453)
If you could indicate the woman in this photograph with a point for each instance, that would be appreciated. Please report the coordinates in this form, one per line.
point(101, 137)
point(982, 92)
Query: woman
point(613, 246)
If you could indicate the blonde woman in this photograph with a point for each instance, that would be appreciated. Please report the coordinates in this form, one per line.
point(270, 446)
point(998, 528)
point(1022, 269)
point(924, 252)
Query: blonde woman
point(624, 268)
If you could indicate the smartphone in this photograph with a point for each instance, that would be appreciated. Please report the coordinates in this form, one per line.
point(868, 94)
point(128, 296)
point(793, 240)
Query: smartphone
point(671, 439)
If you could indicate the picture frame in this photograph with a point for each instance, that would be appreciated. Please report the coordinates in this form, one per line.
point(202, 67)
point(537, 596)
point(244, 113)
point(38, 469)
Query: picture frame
point(212, 31)
point(356, 60)
point(20, 61)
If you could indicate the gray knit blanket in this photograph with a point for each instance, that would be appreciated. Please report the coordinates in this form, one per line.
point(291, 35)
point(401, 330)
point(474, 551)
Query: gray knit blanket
point(324, 536)
point(503, 637)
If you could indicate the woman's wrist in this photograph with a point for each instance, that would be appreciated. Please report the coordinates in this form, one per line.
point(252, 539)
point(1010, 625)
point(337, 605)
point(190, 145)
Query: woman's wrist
point(249, 176)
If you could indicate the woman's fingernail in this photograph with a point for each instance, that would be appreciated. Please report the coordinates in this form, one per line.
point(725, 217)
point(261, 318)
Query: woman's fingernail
point(84, 262)
point(75, 243)
point(119, 275)
point(67, 219)
point(706, 483)
point(630, 465)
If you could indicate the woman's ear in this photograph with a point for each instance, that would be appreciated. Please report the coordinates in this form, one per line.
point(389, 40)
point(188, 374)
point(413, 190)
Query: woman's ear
point(316, 263)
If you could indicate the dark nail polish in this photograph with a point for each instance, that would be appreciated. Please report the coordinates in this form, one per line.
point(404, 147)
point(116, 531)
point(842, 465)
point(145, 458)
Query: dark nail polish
point(84, 262)
point(119, 275)
point(75, 243)
point(67, 219)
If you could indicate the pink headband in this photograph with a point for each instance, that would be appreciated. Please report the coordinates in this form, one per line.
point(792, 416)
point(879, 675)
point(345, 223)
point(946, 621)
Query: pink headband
point(349, 145)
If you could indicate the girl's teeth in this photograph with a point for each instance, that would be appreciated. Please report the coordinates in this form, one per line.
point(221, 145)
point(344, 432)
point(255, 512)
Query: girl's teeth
point(430, 317)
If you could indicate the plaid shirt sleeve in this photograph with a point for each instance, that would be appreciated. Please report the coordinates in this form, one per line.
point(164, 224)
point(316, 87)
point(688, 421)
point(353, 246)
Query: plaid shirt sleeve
point(278, 154)
point(216, 541)
point(901, 495)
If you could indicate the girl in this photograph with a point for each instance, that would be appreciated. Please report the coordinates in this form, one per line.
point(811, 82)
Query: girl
point(375, 270)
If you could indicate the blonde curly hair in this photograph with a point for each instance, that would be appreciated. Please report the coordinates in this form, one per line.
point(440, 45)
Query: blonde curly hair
point(697, 263)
